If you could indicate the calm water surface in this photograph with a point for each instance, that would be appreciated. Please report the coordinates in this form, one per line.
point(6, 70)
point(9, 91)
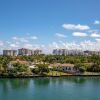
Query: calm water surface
point(69, 88)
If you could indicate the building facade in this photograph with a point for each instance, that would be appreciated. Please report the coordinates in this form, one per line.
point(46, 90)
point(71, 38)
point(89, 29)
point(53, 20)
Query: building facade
point(27, 52)
point(10, 52)
point(37, 52)
point(24, 51)
point(67, 52)
point(87, 52)
point(64, 67)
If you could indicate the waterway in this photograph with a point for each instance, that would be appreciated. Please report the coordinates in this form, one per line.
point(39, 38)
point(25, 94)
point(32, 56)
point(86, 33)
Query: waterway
point(48, 88)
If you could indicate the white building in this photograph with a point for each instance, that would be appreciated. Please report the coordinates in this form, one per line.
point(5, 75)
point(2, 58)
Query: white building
point(37, 52)
point(64, 67)
point(24, 51)
point(67, 52)
point(10, 52)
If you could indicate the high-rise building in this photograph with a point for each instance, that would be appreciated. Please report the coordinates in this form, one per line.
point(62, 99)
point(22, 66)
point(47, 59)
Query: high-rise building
point(10, 52)
point(87, 52)
point(67, 52)
point(37, 52)
point(24, 51)
point(74, 52)
point(60, 52)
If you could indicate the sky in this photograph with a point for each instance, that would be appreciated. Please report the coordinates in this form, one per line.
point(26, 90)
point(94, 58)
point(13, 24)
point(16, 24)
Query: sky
point(50, 24)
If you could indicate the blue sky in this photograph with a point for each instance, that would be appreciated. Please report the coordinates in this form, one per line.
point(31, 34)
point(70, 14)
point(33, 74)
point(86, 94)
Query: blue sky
point(49, 24)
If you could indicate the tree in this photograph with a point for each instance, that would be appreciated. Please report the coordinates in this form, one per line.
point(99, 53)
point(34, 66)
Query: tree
point(81, 67)
point(43, 68)
point(20, 67)
point(94, 67)
point(35, 70)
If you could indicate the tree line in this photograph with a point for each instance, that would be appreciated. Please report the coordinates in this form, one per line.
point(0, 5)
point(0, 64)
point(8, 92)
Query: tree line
point(81, 62)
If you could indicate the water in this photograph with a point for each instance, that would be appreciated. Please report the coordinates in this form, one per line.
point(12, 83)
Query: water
point(68, 88)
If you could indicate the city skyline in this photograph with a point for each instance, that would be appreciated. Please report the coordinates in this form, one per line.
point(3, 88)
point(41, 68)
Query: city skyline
point(50, 24)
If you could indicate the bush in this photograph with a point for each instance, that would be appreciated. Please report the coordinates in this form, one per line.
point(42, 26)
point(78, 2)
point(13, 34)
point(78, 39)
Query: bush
point(12, 74)
point(20, 67)
point(43, 68)
point(82, 69)
point(35, 70)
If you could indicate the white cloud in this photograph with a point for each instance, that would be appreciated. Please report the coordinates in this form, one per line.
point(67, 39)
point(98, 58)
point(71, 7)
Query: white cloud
point(80, 34)
point(20, 39)
point(96, 22)
point(93, 31)
point(75, 27)
point(95, 35)
point(53, 45)
point(98, 40)
point(60, 35)
point(84, 45)
point(15, 38)
point(34, 37)
point(8, 42)
point(23, 40)
point(13, 45)
point(29, 46)
point(1, 43)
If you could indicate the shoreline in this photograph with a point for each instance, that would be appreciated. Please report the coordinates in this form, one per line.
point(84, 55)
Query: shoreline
point(36, 76)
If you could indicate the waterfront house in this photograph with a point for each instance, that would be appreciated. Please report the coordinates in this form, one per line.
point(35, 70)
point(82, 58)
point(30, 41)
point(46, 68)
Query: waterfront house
point(31, 65)
point(10, 65)
point(64, 67)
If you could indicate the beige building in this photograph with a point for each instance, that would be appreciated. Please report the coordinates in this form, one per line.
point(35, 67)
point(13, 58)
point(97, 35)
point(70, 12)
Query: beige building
point(64, 67)
point(27, 52)
point(24, 51)
point(67, 52)
point(37, 52)
point(10, 52)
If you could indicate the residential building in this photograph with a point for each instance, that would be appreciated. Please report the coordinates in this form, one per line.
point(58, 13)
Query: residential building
point(87, 52)
point(64, 67)
point(24, 51)
point(10, 52)
point(67, 52)
point(11, 63)
point(37, 52)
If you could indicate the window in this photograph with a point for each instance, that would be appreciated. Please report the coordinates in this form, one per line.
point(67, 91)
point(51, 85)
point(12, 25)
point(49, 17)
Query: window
point(66, 68)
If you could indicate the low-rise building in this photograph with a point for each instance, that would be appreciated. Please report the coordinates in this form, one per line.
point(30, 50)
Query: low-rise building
point(64, 67)
point(10, 65)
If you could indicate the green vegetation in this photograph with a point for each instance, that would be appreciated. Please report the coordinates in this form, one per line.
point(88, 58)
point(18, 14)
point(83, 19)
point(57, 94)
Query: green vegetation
point(40, 69)
point(20, 67)
point(56, 73)
point(82, 64)
point(4, 61)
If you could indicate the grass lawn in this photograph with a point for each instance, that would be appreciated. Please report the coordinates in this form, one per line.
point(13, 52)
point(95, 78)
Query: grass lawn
point(91, 73)
point(56, 73)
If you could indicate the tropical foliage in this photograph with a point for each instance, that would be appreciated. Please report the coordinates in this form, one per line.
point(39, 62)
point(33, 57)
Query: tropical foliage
point(82, 63)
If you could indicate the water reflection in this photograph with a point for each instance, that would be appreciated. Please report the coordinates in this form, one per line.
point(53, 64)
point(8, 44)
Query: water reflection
point(47, 88)
point(19, 83)
point(41, 81)
point(6, 84)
